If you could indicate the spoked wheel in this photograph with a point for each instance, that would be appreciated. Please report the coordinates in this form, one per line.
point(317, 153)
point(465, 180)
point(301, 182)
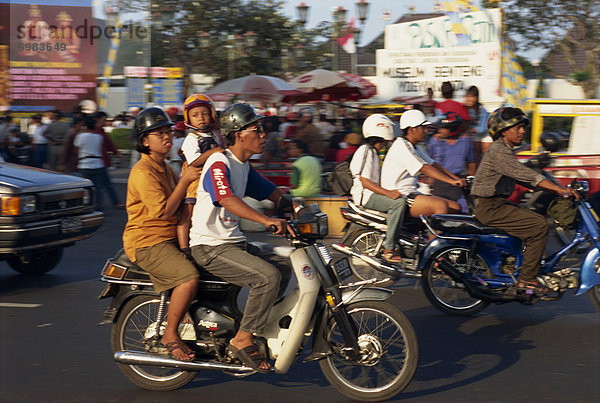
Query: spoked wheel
point(447, 295)
point(594, 293)
point(389, 353)
point(366, 242)
point(134, 331)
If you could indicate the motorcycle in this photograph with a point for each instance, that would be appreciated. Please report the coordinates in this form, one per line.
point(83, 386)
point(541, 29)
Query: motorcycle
point(366, 348)
point(468, 265)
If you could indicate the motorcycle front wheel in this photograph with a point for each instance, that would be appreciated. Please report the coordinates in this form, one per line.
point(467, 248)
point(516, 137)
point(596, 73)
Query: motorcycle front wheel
point(447, 295)
point(133, 331)
point(594, 293)
point(389, 353)
point(366, 242)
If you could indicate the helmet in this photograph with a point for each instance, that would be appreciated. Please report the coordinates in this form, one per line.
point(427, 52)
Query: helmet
point(505, 118)
point(413, 118)
point(198, 100)
point(453, 122)
point(236, 117)
point(150, 119)
point(378, 125)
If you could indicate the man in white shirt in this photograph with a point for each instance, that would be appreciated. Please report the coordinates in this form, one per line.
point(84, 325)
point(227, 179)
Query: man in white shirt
point(406, 159)
point(39, 143)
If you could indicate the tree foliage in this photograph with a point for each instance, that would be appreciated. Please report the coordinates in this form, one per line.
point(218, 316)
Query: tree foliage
point(179, 27)
point(569, 28)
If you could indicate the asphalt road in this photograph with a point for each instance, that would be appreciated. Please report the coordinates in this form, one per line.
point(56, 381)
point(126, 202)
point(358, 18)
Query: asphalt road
point(51, 348)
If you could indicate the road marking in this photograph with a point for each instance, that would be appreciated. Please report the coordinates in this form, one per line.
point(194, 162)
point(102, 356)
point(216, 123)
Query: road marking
point(16, 305)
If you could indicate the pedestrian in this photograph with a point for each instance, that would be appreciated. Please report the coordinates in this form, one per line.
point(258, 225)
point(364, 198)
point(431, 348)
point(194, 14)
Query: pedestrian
point(88, 145)
point(57, 134)
point(39, 143)
point(69, 160)
point(306, 171)
point(478, 123)
point(348, 146)
point(308, 133)
point(449, 104)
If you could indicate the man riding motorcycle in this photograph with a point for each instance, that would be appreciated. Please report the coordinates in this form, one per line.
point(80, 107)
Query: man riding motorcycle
point(495, 181)
point(216, 241)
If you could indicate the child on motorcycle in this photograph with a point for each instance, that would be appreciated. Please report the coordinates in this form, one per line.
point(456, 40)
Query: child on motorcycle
point(149, 239)
point(365, 166)
point(201, 142)
point(218, 244)
point(495, 181)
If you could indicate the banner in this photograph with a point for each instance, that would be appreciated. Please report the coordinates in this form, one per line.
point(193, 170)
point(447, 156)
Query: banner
point(52, 53)
point(423, 54)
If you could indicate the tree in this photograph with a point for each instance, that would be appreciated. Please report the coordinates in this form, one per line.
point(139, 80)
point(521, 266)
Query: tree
point(181, 39)
point(569, 28)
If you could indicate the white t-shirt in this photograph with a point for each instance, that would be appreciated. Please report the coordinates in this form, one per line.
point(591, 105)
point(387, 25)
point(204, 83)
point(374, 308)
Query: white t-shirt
point(191, 145)
point(38, 135)
point(402, 163)
point(90, 150)
point(371, 171)
point(224, 176)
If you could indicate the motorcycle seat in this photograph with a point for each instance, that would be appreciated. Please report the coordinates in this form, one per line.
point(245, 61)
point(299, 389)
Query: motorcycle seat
point(461, 224)
point(368, 213)
point(135, 271)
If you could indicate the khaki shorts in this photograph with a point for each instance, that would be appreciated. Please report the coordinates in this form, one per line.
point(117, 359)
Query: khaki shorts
point(167, 265)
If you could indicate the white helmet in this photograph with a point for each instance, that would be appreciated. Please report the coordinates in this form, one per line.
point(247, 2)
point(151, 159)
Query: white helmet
point(378, 125)
point(413, 118)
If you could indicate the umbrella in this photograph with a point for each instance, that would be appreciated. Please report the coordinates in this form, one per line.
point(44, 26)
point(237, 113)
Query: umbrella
point(253, 88)
point(328, 85)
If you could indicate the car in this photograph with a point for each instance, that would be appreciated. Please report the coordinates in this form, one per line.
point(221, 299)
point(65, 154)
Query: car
point(42, 212)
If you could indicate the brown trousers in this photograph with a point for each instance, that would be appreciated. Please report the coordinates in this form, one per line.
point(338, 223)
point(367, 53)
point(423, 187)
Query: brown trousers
point(526, 225)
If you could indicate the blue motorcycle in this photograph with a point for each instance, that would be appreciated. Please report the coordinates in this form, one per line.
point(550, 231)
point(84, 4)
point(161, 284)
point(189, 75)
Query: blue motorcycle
point(468, 266)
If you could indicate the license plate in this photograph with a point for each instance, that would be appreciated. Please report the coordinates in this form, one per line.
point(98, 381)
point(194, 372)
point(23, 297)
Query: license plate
point(70, 224)
point(342, 267)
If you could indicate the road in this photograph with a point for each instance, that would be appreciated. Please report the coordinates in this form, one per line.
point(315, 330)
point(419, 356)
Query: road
point(52, 349)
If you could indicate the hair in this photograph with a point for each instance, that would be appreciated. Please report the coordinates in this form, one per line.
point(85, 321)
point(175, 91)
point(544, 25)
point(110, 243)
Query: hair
point(139, 144)
point(100, 114)
point(373, 140)
point(473, 90)
point(447, 90)
point(90, 123)
point(301, 145)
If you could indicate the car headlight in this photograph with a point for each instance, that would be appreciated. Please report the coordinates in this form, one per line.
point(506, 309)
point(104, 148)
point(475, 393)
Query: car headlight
point(87, 196)
point(17, 205)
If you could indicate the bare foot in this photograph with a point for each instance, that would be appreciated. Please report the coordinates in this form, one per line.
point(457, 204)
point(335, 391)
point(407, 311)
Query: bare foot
point(178, 350)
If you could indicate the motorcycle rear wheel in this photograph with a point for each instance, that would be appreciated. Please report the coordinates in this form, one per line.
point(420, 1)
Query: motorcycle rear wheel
point(129, 333)
point(447, 295)
point(365, 241)
point(390, 353)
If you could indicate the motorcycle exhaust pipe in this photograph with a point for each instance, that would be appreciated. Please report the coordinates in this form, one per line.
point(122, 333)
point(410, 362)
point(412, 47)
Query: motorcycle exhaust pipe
point(394, 272)
point(141, 358)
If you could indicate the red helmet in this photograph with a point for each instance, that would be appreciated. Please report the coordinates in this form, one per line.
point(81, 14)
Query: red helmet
point(198, 100)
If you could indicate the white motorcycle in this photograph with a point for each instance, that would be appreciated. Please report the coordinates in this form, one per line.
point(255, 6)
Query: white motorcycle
point(366, 347)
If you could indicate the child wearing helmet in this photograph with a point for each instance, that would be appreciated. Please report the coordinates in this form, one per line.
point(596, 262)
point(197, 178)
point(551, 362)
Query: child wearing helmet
point(366, 190)
point(200, 142)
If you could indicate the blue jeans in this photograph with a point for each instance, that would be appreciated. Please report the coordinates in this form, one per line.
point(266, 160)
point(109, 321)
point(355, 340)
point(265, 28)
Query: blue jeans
point(395, 208)
point(40, 155)
point(101, 180)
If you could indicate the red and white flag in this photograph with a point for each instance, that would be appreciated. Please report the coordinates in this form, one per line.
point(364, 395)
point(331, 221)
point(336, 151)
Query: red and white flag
point(347, 41)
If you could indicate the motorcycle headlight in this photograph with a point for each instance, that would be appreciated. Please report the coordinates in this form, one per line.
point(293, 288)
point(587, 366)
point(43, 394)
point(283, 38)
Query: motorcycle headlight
point(17, 205)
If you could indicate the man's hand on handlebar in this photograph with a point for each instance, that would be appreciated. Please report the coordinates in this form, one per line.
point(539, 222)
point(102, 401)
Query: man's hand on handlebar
point(461, 183)
point(279, 226)
point(570, 192)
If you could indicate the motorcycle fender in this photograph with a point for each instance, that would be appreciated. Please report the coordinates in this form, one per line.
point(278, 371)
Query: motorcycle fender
point(434, 246)
point(348, 230)
point(120, 297)
point(366, 294)
point(589, 277)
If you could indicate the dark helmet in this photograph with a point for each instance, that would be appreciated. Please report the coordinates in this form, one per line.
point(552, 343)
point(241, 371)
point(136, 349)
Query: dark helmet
point(453, 122)
point(150, 119)
point(505, 118)
point(236, 117)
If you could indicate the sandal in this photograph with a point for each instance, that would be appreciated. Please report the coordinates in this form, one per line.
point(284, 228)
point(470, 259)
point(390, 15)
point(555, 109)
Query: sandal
point(248, 356)
point(391, 257)
point(179, 344)
point(532, 286)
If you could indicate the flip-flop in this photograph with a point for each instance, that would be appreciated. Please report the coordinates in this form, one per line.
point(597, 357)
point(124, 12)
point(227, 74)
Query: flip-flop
point(248, 357)
point(179, 344)
point(533, 286)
